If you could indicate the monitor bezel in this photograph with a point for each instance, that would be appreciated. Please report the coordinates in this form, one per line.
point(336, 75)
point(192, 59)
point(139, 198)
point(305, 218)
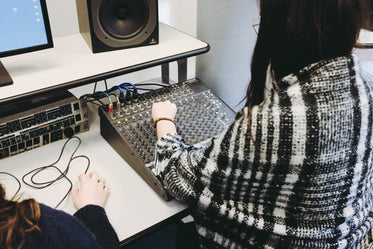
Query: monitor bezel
point(48, 32)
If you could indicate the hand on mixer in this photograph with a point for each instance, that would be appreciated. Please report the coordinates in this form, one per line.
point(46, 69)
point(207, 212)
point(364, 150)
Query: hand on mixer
point(163, 114)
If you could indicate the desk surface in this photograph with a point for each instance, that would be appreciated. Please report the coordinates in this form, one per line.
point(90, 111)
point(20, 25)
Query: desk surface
point(132, 205)
point(71, 63)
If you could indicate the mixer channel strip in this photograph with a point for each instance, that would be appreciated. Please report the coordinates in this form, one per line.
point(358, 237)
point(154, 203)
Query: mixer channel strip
point(131, 132)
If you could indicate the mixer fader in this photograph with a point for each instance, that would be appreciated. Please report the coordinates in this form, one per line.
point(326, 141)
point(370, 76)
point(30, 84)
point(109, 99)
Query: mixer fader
point(130, 129)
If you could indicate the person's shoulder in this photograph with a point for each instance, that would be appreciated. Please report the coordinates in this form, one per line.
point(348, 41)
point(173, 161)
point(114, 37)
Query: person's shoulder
point(64, 230)
point(50, 214)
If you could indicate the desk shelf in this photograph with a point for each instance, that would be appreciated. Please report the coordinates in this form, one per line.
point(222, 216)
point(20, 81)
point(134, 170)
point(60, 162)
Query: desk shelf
point(71, 63)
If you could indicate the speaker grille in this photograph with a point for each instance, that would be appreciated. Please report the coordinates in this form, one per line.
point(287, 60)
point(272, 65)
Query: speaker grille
point(116, 24)
point(123, 19)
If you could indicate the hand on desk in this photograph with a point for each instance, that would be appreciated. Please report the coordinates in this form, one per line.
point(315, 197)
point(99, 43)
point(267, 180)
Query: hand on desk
point(92, 190)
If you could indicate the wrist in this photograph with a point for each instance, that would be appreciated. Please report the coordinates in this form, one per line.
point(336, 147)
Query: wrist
point(163, 119)
point(165, 127)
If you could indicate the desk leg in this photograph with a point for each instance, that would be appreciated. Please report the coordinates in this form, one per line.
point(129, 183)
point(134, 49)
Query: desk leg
point(166, 73)
point(181, 69)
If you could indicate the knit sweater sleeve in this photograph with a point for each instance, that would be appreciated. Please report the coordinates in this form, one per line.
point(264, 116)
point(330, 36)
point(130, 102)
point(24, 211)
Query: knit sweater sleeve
point(95, 219)
point(60, 230)
point(186, 169)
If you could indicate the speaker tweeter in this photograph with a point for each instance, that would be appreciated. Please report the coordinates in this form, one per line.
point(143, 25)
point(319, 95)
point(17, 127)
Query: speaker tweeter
point(117, 24)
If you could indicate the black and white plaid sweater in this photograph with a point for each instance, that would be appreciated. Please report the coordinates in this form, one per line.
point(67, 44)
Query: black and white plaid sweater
point(306, 182)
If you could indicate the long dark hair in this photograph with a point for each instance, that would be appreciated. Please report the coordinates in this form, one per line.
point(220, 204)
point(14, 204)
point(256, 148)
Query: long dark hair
point(17, 219)
point(295, 33)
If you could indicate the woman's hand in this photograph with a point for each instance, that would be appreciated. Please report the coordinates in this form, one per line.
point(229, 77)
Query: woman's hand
point(164, 115)
point(92, 190)
point(164, 109)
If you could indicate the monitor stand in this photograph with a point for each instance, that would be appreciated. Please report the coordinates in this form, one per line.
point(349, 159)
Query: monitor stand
point(5, 78)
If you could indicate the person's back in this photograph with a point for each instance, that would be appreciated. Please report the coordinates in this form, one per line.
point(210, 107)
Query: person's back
point(28, 224)
point(295, 169)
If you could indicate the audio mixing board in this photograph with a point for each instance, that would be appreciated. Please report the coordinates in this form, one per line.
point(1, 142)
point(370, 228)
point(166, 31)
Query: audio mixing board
point(130, 129)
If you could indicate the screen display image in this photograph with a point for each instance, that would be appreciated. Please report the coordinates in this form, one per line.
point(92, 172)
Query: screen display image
point(25, 27)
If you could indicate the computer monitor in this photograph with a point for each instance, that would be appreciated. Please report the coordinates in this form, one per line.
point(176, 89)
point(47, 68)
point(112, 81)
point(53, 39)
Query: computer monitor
point(24, 27)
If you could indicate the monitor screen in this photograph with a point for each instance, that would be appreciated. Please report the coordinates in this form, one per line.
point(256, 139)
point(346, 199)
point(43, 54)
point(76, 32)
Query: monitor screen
point(24, 26)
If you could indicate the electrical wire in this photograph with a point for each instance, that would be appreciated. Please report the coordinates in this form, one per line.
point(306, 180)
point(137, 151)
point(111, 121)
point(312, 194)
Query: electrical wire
point(15, 178)
point(130, 95)
point(116, 88)
point(94, 88)
point(105, 84)
point(146, 89)
point(92, 101)
point(151, 84)
point(62, 174)
point(129, 84)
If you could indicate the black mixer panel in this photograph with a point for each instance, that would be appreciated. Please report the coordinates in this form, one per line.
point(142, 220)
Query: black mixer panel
point(42, 123)
point(130, 130)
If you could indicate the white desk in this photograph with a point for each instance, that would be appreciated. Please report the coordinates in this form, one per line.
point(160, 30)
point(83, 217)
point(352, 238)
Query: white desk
point(132, 207)
point(71, 63)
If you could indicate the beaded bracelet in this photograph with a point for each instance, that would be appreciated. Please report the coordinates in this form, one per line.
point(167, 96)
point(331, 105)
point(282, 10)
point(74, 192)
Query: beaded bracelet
point(159, 119)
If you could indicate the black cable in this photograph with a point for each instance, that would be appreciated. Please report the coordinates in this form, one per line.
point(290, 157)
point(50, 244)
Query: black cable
point(88, 98)
point(18, 182)
point(150, 84)
point(131, 92)
point(105, 85)
point(62, 174)
point(94, 88)
point(146, 89)
point(93, 102)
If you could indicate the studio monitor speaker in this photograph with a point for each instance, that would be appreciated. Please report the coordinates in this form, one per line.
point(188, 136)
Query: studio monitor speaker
point(117, 24)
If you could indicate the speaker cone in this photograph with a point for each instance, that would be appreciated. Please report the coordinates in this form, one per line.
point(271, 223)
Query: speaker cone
point(123, 19)
point(115, 24)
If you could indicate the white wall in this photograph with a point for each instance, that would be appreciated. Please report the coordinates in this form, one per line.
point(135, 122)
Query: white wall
point(224, 24)
point(180, 14)
point(227, 26)
point(62, 17)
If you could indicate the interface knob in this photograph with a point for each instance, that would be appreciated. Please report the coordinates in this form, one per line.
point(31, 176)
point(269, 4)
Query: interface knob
point(69, 132)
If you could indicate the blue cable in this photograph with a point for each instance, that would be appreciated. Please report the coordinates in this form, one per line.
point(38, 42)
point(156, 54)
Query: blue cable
point(111, 89)
point(123, 86)
point(105, 93)
point(128, 83)
point(134, 94)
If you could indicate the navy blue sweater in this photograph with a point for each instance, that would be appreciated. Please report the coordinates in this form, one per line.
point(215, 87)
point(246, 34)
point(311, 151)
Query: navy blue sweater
point(88, 228)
